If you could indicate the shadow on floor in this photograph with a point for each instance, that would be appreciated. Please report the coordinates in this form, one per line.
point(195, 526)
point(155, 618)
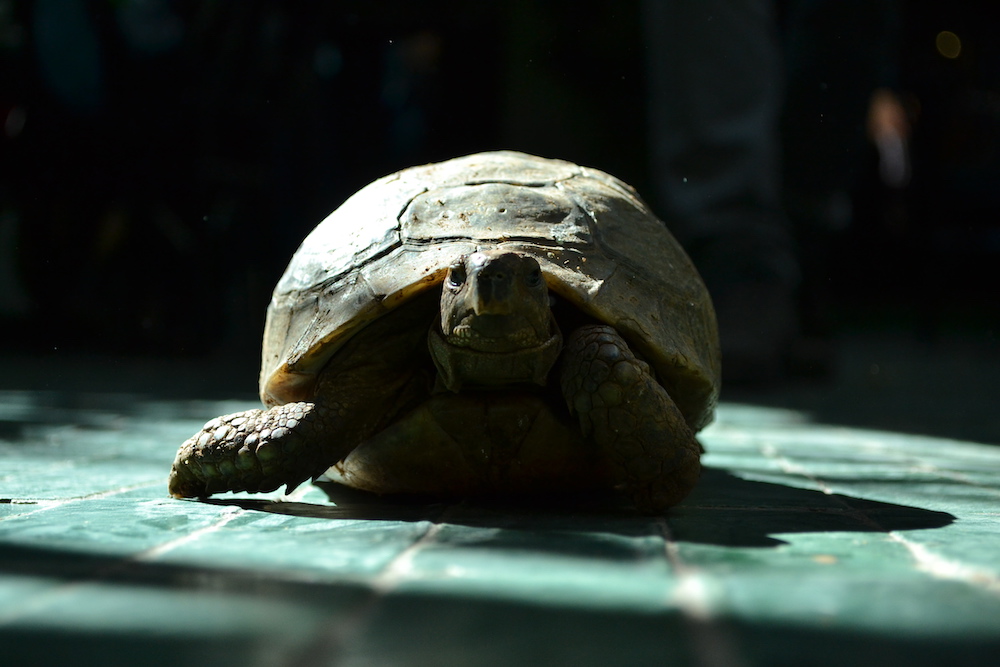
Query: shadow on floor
point(724, 510)
point(415, 628)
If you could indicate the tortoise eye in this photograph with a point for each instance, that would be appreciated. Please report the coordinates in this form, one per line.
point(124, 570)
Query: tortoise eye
point(456, 276)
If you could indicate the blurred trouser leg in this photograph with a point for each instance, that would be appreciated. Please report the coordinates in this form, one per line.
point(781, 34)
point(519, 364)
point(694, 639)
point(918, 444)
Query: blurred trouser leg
point(715, 92)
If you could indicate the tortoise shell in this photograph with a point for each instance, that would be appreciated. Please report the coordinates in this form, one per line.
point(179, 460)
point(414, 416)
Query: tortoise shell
point(599, 247)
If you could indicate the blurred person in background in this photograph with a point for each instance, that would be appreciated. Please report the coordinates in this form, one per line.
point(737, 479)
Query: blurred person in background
point(756, 114)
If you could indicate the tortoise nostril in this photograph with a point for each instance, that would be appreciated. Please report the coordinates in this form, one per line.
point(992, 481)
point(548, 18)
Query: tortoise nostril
point(494, 276)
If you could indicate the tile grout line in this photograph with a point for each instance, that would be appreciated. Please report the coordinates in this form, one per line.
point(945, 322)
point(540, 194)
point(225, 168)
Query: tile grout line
point(909, 460)
point(693, 598)
point(60, 502)
point(39, 601)
point(915, 463)
point(339, 636)
point(944, 568)
point(397, 570)
point(228, 514)
point(923, 466)
point(712, 643)
point(926, 560)
point(788, 466)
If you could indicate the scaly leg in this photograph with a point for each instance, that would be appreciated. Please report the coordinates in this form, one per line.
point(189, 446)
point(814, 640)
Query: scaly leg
point(653, 455)
point(255, 450)
point(383, 370)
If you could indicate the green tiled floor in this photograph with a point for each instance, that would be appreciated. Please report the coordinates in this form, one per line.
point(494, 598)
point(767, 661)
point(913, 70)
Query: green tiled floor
point(805, 544)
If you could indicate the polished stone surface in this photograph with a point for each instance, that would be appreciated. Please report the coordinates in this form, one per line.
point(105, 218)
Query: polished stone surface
point(805, 543)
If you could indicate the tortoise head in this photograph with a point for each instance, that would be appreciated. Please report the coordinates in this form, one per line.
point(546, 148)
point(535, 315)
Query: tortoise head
point(496, 321)
point(495, 301)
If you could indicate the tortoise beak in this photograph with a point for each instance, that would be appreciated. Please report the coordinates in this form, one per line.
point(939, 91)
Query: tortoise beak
point(491, 290)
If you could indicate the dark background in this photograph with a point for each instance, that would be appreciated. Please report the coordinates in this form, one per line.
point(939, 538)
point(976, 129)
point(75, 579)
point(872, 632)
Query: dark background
point(161, 161)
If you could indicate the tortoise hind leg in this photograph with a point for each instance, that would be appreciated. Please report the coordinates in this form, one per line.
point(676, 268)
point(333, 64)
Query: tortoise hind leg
point(653, 455)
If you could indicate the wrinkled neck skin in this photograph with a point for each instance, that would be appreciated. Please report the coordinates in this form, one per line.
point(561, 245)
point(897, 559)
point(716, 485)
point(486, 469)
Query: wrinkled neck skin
point(496, 324)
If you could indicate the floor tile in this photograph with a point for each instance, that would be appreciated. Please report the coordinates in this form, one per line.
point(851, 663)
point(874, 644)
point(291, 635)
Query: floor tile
point(804, 543)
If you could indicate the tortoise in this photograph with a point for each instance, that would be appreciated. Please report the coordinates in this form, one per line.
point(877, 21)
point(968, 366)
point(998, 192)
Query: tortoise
point(498, 324)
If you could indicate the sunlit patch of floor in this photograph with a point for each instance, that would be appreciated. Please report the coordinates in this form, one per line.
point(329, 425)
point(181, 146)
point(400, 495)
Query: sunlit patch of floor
point(805, 542)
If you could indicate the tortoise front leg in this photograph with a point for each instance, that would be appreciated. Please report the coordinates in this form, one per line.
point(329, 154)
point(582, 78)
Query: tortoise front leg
point(254, 450)
point(653, 454)
point(259, 450)
point(376, 375)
